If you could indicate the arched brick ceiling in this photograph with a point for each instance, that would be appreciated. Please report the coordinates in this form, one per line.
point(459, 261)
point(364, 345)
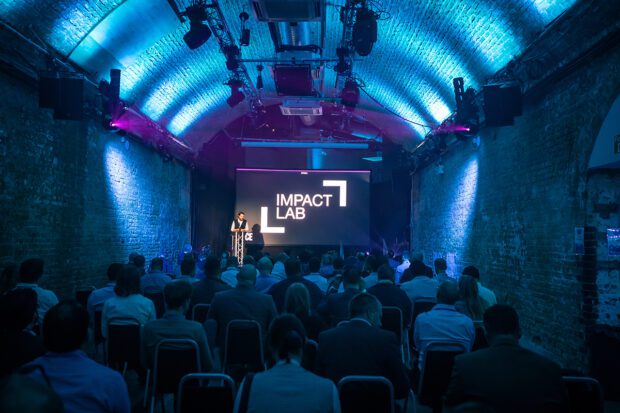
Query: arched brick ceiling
point(420, 48)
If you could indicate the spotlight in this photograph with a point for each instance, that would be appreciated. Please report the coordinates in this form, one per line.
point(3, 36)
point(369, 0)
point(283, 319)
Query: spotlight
point(467, 118)
point(342, 66)
point(232, 55)
point(259, 78)
point(350, 94)
point(245, 32)
point(198, 33)
point(236, 96)
point(364, 31)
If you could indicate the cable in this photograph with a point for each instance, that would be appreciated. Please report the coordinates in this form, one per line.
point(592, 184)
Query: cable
point(394, 113)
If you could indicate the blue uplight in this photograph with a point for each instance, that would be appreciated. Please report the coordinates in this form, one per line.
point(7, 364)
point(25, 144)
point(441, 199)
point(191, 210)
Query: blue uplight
point(197, 108)
point(550, 9)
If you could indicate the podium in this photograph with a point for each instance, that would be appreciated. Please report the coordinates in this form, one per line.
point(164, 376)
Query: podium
point(238, 244)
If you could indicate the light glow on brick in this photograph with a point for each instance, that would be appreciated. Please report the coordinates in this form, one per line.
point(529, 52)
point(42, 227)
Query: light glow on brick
point(197, 108)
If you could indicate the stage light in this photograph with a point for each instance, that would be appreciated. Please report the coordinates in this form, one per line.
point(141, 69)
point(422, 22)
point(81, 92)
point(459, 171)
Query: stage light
point(342, 66)
point(467, 119)
point(350, 94)
point(245, 32)
point(259, 78)
point(232, 55)
point(364, 31)
point(199, 32)
point(236, 96)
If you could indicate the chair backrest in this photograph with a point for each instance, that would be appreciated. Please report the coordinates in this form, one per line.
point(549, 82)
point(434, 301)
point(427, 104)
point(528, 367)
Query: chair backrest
point(584, 394)
point(243, 348)
point(436, 371)
point(199, 312)
point(200, 392)
point(98, 336)
point(310, 351)
point(480, 340)
point(392, 320)
point(123, 342)
point(157, 297)
point(422, 305)
point(366, 394)
point(81, 296)
point(174, 358)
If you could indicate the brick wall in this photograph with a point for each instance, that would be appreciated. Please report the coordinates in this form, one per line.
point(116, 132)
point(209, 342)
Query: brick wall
point(80, 197)
point(510, 207)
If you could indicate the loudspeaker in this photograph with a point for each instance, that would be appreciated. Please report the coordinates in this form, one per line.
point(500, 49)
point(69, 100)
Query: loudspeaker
point(63, 94)
point(502, 104)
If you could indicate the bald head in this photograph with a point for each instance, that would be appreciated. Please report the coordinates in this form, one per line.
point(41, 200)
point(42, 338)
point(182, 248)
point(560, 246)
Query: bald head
point(247, 275)
point(447, 293)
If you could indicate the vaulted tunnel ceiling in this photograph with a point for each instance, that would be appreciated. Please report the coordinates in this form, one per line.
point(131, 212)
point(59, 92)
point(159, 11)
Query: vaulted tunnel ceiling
point(421, 46)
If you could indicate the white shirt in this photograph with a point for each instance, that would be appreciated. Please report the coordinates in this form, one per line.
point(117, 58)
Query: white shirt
point(46, 299)
point(371, 280)
point(487, 295)
point(134, 306)
point(401, 269)
point(420, 287)
point(239, 222)
point(230, 276)
point(318, 279)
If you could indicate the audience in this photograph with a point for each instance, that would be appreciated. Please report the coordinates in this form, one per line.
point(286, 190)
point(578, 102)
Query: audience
point(420, 284)
point(205, 289)
point(287, 387)
point(138, 261)
point(417, 267)
point(390, 295)
point(101, 295)
point(8, 277)
point(486, 294)
point(265, 280)
point(173, 325)
point(241, 303)
point(83, 384)
point(469, 302)
point(229, 276)
point(292, 266)
point(314, 266)
point(505, 376)
point(335, 307)
point(155, 280)
point(18, 344)
point(440, 271)
point(327, 265)
point(128, 303)
point(278, 268)
point(443, 323)
point(361, 347)
point(297, 303)
point(188, 270)
point(402, 267)
point(30, 272)
point(372, 264)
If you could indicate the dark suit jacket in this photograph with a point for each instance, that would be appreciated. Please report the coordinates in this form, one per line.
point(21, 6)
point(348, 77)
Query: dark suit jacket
point(17, 349)
point(278, 291)
point(509, 378)
point(357, 348)
point(391, 295)
point(335, 307)
point(204, 290)
point(241, 303)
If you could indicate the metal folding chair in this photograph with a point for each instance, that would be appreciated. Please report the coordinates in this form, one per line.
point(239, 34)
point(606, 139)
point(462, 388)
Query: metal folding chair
point(199, 312)
point(157, 297)
point(584, 394)
point(122, 346)
point(392, 320)
point(243, 349)
point(199, 390)
point(366, 394)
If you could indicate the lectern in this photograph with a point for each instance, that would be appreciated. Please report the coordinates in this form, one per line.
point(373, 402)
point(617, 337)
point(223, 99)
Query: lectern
point(238, 244)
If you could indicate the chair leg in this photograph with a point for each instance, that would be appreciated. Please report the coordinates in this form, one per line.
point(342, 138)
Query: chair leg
point(163, 403)
point(146, 388)
point(153, 400)
point(124, 368)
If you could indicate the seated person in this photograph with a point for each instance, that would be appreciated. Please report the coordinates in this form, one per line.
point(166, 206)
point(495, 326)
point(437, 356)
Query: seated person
point(18, 344)
point(361, 347)
point(188, 270)
point(470, 303)
point(128, 302)
point(441, 266)
point(265, 280)
point(21, 394)
point(101, 295)
point(173, 325)
point(297, 303)
point(314, 266)
point(205, 289)
point(287, 387)
point(30, 272)
point(229, 276)
point(241, 303)
point(505, 376)
point(420, 284)
point(485, 293)
point(443, 323)
point(390, 295)
point(83, 384)
point(292, 267)
point(155, 280)
point(335, 307)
